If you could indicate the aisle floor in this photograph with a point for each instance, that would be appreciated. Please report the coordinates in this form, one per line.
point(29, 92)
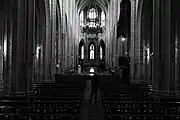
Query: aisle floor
point(91, 111)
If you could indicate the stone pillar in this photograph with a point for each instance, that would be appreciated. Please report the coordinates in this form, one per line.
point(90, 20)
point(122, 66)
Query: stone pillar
point(8, 39)
point(166, 67)
point(178, 58)
point(6, 53)
point(1, 56)
point(14, 14)
point(156, 76)
point(19, 47)
point(58, 40)
point(132, 48)
point(53, 38)
point(30, 39)
point(172, 46)
point(47, 43)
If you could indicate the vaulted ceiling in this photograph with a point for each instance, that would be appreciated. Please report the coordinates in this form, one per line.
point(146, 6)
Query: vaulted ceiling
point(103, 4)
point(2, 3)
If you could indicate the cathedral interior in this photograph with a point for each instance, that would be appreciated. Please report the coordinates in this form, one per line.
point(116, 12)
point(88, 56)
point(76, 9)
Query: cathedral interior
point(50, 50)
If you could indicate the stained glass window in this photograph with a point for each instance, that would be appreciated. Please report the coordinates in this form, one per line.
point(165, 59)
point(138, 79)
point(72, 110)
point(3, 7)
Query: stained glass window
point(82, 18)
point(92, 51)
point(102, 18)
point(101, 53)
point(82, 52)
point(92, 13)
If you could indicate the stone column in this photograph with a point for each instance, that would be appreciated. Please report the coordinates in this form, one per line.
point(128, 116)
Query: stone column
point(5, 42)
point(58, 41)
point(1, 56)
point(8, 40)
point(19, 47)
point(156, 76)
point(14, 14)
point(47, 43)
point(132, 48)
point(178, 58)
point(53, 38)
point(173, 17)
point(30, 40)
point(166, 67)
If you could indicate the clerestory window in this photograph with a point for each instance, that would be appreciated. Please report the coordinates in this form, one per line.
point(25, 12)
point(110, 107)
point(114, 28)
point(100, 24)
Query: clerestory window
point(103, 18)
point(92, 51)
point(82, 18)
point(92, 13)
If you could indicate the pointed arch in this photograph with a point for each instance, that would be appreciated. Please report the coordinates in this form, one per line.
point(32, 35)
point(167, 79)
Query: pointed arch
point(102, 48)
point(103, 4)
point(91, 50)
point(81, 49)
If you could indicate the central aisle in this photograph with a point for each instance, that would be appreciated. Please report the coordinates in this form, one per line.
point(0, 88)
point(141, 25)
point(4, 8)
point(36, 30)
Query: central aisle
point(91, 111)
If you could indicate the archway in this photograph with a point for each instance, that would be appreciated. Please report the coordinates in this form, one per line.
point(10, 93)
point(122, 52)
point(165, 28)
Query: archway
point(102, 53)
point(92, 51)
point(81, 49)
point(102, 50)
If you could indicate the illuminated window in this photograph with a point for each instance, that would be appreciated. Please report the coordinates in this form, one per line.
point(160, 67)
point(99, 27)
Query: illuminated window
point(92, 13)
point(102, 18)
point(82, 52)
point(38, 51)
point(92, 51)
point(92, 24)
point(5, 46)
point(91, 70)
point(101, 53)
point(82, 18)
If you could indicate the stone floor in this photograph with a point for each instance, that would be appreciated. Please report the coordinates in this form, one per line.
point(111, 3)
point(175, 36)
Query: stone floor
point(91, 111)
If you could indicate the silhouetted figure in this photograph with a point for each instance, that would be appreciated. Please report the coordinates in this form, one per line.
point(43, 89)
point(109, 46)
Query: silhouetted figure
point(94, 88)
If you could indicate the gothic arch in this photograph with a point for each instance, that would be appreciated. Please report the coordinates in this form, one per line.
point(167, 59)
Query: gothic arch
point(81, 43)
point(94, 44)
point(102, 44)
point(81, 4)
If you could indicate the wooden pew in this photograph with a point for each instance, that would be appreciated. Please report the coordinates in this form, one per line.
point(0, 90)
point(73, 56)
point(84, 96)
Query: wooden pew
point(128, 109)
point(52, 89)
point(24, 110)
point(65, 105)
point(118, 107)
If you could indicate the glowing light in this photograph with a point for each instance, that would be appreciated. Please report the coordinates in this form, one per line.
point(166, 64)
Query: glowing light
point(82, 18)
point(5, 46)
point(123, 39)
point(91, 74)
point(92, 70)
point(102, 19)
point(57, 65)
point(37, 50)
point(101, 53)
point(148, 54)
point(82, 52)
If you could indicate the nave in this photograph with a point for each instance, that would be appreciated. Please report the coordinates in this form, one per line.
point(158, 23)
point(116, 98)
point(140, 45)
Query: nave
point(68, 100)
